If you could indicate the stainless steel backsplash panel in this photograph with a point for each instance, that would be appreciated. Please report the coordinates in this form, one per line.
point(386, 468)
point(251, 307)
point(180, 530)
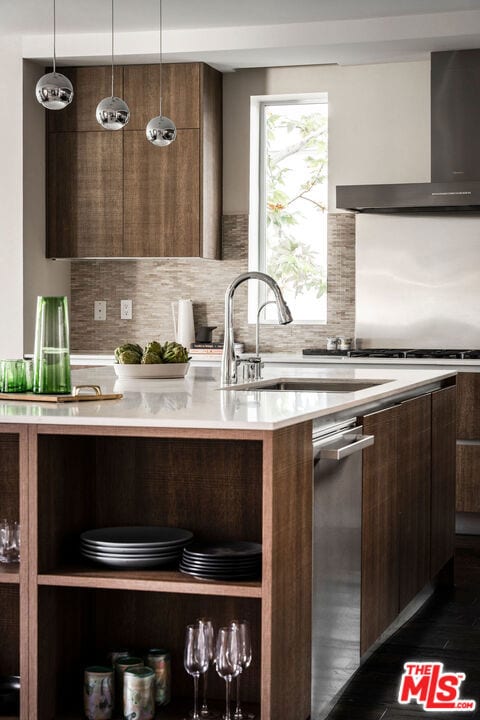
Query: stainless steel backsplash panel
point(418, 281)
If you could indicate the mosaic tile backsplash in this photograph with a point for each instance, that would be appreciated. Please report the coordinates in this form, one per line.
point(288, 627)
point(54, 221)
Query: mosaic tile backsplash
point(153, 284)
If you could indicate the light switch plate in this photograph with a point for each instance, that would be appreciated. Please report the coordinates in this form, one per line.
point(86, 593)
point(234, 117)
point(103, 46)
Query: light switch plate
point(125, 309)
point(100, 310)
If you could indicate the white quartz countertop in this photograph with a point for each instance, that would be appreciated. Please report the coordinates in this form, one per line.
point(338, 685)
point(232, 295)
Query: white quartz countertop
point(197, 401)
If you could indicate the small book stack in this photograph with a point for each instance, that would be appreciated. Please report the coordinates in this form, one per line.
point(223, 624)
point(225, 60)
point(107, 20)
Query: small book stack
point(212, 348)
point(206, 348)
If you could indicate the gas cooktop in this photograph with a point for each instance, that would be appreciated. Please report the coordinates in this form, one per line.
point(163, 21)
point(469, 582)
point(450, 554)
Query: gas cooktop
point(435, 353)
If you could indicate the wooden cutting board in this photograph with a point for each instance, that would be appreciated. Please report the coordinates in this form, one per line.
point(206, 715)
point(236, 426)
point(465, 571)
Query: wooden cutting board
point(76, 396)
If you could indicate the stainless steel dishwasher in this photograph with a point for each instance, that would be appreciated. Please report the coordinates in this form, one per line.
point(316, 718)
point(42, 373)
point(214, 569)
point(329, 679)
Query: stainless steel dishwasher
point(337, 512)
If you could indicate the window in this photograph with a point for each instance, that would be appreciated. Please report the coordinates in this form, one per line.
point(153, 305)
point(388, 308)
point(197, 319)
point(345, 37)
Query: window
point(288, 230)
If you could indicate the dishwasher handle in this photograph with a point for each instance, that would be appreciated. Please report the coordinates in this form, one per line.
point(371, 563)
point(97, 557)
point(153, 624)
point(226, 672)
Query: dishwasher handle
point(357, 443)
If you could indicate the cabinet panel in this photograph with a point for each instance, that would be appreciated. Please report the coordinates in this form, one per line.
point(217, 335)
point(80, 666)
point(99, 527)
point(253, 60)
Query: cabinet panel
point(180, 94)
point(468, 474)
point(414, 450)
point(443, 478)
point(468, 406)
point(380, 590)
point(161, 191)
point(90, 85)
point(85, 177)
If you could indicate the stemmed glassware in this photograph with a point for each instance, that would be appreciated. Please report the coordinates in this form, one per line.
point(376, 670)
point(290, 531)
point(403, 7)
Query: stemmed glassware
point(245, 658)
point(195, 659)
point(207, 625)
point(227, 661)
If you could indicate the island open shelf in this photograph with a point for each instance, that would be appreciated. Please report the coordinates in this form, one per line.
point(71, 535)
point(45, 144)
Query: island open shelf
point(221, 485)
point(80, 626)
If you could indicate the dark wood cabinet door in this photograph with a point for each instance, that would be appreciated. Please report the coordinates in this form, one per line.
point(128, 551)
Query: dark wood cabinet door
point(84, 206)
point(414, 471)
point(468, 478)
point(161, 196)
point(443, 478)
point(90, 85)
point(180, 94)
point(380, 541)
point(468, 406)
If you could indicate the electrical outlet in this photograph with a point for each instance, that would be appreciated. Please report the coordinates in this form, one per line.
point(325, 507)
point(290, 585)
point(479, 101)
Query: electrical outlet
point(100, 310)
point(125, 309)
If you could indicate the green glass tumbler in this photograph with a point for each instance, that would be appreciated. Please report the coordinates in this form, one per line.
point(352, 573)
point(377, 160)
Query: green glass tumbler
point(51, 360)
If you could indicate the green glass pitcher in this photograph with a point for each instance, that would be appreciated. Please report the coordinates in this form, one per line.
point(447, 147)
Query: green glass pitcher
point(51, 361)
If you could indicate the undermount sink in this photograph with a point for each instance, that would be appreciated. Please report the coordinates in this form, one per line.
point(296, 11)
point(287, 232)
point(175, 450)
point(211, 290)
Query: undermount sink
point(308, 385)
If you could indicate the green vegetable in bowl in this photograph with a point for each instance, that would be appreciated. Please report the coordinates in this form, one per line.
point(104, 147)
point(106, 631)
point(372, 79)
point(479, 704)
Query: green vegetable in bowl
point(129, 347)
point(129, 357)
point(151, 358)
point(175, 353)
point(153, 354)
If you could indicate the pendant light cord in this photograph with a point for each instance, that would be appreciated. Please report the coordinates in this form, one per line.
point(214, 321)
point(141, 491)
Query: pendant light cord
point(160, 54)
point(113, 46)
point(54, 39)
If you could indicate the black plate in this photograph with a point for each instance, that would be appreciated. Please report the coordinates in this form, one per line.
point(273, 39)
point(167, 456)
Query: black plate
point(226, 550)
point(9, 694)
point(223, 576)
point(224, 567)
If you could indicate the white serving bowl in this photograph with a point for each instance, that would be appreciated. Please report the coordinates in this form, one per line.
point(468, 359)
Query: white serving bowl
point(156, 371)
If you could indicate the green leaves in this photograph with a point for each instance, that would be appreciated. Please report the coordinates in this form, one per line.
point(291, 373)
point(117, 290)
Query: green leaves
point(296, 162)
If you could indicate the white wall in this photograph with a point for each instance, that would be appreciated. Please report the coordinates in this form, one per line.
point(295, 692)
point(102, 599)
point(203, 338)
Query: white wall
point(11, 260)
point(379, 122)
point(40, 276)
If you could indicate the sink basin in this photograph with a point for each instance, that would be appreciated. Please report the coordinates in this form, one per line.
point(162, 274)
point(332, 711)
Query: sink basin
point(308, 385)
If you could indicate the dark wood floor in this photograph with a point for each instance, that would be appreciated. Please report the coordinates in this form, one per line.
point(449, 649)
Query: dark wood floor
point(447, 629)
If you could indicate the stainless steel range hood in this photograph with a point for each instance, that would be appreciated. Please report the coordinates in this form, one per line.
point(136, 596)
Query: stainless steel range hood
point(455, 138)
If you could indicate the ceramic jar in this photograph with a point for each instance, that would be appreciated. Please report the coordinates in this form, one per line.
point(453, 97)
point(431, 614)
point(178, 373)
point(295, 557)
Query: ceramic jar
point(98, 694)
point(159, 661)
point(139, 694)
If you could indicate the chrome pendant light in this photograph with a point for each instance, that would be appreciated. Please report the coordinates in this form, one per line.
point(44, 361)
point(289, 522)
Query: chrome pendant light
point(112, 112)
point(161, 130)
point(54, 91)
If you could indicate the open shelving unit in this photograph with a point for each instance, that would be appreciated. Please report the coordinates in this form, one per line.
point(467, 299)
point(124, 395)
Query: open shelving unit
point(222, 485)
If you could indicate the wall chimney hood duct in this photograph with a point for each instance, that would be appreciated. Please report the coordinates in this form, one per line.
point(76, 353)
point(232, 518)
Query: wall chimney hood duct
point(455, 139)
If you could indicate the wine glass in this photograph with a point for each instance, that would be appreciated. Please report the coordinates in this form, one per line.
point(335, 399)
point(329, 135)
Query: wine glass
point(195, 660)
point(207, 625)
point(245, 658)
point(227, 661)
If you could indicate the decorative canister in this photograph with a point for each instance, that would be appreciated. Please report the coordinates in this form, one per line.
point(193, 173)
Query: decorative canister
point(115, 655)
point(345, 343)
point(121, 665)
point(98, 696)
point(159, 661)
point(331, 343)
point(139, 694)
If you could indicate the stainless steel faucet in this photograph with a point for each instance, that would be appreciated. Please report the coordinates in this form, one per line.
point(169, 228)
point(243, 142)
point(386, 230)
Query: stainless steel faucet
point(229, 361)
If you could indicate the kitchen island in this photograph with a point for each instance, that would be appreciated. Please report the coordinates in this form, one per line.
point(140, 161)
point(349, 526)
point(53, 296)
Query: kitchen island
point(228, 464)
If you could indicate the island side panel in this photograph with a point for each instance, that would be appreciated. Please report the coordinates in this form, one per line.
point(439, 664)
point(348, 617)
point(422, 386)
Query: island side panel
point(287, 573)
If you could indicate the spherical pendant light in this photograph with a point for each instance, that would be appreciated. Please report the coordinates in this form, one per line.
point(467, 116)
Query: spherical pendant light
point(54, 91)
point(161, 131)
point(112, 112)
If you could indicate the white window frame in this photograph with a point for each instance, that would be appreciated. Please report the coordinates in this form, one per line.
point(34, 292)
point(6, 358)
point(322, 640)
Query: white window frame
point(257, 292)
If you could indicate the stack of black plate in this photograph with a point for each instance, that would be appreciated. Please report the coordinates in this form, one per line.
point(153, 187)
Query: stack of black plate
point(236, 560)
point(134, 547)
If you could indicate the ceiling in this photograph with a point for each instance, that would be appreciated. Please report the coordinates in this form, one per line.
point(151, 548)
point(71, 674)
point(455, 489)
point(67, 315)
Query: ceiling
point(251, 33)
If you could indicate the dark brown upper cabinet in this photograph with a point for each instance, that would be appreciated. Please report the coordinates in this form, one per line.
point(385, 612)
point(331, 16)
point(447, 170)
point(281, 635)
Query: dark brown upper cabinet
point(180, 94)
point(112, 193)
point(90, 85)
